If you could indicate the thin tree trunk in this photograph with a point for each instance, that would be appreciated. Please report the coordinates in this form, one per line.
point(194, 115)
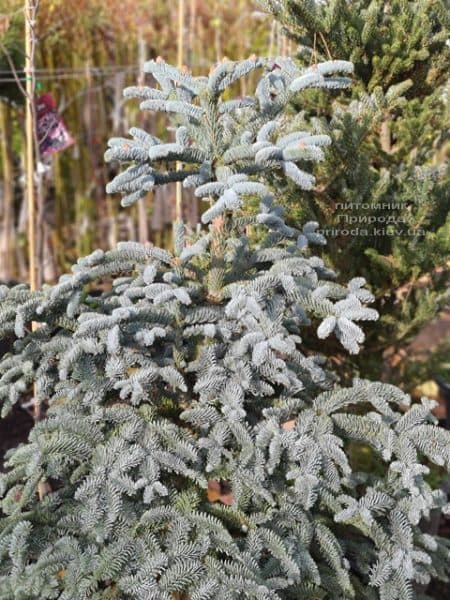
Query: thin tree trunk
point(96, 189)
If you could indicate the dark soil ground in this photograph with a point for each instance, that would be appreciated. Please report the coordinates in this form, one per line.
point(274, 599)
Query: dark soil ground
point(14, 429)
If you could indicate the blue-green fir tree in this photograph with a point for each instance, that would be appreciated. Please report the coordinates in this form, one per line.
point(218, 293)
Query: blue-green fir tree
point(193, 447)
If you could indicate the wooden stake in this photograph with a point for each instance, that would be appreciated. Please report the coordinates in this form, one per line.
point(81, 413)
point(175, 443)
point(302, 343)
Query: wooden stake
point(143, 232)
point(180, 48)
point(179, 193)
point(29, 138)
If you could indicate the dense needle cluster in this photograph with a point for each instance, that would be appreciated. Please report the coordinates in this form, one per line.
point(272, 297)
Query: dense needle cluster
point(188, 376)
point(384, 186)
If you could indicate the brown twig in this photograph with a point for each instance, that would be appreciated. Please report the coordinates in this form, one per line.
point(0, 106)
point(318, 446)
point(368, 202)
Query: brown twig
point(326, 45)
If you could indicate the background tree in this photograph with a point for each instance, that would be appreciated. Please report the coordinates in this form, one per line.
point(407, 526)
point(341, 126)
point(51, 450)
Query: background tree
point(384, 188)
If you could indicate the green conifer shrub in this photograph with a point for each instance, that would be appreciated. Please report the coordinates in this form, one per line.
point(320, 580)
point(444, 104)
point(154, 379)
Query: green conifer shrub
point(195, 448)
point(383, 199)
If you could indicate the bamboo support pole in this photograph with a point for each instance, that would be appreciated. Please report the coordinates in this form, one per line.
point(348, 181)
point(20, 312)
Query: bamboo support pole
point(180, 49)
point(30, 153)
point(29, 137)
point(143, 229)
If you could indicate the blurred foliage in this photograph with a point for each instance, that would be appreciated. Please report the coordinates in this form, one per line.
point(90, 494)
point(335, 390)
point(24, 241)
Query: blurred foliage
point(87, 52)
point(11, 45)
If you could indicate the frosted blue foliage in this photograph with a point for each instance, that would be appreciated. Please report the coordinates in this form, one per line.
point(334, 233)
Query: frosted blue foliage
point(304, 81)
point(194, 445)
point(345, 312)
point(199, 108)
point(304, 180)
point(355, 287)
point(228, 201)
point(195, 249)
point(309, 235)
point(331, 66)
point(147, 338)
